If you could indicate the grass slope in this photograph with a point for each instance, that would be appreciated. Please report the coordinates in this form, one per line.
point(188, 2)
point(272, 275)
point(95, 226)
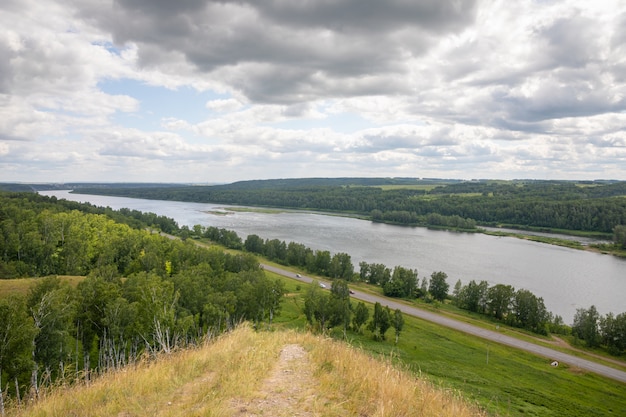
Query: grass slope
point(503, 380)
point(242, 373)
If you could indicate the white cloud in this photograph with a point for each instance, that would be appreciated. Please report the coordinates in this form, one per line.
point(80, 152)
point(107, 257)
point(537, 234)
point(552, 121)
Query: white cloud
point(432, 88)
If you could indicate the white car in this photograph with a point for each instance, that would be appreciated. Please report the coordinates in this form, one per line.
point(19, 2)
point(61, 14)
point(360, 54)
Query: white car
point(322, 285)
point(298, 276)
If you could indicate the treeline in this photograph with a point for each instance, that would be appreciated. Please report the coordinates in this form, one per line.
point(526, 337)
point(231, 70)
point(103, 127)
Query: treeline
point(142, 293)
point(593, 207)
point(518, 308)
point(597, 330)
point(327, 310)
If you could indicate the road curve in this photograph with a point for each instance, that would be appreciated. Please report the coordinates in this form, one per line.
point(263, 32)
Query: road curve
point(476, 331)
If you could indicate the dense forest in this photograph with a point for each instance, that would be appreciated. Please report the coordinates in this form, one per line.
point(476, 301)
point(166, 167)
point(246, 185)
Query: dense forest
point(588, 206)
point(141, 292)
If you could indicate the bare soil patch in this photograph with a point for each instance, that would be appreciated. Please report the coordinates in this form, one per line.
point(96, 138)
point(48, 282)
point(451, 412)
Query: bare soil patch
point(289, 390)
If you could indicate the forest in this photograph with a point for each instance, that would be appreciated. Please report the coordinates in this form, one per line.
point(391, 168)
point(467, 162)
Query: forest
point(141, 293)
point(593, 206)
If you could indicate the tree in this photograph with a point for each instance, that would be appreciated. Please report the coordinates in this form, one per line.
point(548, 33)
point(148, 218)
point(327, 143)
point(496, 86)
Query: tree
point(157, 307)
point(317, 305)
point(276, 250)
point(341, 309)
point(341, 267)
point(53, 308)
point(499, 299)
point(254, 244)
point(529, 312)
point(379, 274)
point(613, 332)
point(361, 315)
point(438, 286)
point(296, 254)
point(619, 235)
point(457, 290)
point(585, 325)
point(397, 323)
point(403, 283)
point(473, 296)
point(17, 332)
point(364, 271)
point(321, 262)
point(381, 321)
point(94, 292)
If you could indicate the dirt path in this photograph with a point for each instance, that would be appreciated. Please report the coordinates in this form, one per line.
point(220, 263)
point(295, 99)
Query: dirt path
point(288, 391)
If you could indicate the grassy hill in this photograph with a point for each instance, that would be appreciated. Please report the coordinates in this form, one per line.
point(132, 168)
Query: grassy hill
point(248, 373)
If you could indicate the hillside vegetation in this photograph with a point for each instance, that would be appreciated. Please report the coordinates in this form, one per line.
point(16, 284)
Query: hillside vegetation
point(245, 373)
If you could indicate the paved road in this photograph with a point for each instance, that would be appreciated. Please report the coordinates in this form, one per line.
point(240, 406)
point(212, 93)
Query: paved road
point(477, 331)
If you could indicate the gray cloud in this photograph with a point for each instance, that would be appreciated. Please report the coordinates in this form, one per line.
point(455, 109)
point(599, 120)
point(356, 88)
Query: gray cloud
point(275, 51)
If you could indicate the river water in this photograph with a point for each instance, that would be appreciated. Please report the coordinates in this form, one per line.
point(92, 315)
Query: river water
point(565, 278)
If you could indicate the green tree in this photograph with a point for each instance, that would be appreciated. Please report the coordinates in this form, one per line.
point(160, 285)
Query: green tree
point(364, 271)
point(438, 287)
point(379, 274)
point(619, 235)
point(317, 306)
point(157, 308)
point(380, 322)
point(361, 315)
point(403, 283)
point(296, 254)
point(474, 296)
point(586, 325)
point(613, 332)
point(276, 250)
point(53, 308)
point(529, 312)
point(254, 244)
point(499, 299)
point(341, 267)
point(94, 293)
point(341, 308)
point(457, 290)
point(397, 323)
point(321, 262)
point(17, 332)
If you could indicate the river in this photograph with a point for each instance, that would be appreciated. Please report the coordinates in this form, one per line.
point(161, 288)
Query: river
point(566, 279)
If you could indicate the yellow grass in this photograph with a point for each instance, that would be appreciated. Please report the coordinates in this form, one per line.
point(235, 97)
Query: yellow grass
point(20, 286)
point(240, 372)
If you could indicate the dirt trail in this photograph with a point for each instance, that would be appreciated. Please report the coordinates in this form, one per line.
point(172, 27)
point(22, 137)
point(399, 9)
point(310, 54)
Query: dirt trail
point(288, 391)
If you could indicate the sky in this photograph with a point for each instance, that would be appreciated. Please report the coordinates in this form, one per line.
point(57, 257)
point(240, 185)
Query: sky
point(199, 91)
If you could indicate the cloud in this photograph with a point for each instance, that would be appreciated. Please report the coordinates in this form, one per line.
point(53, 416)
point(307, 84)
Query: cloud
point(284, 52)
point(226, 90)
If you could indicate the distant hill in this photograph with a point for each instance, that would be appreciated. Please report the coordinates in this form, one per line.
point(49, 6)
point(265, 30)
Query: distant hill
point(35, 187)
point(248, 373)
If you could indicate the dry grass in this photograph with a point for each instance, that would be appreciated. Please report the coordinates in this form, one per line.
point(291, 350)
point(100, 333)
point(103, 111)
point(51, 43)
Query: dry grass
point(21, 286)
point(244, 373)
